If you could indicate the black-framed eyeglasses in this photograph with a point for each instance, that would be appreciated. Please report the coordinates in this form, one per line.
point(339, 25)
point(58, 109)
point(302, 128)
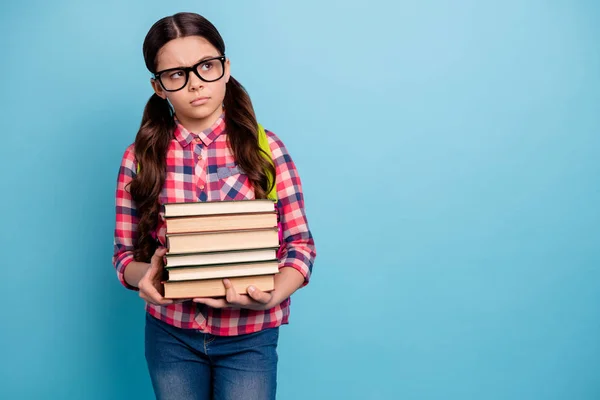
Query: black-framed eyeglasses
point(208, 70)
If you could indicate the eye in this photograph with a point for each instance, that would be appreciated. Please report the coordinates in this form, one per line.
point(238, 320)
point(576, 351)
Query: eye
point(176, 75)
point(207, 66)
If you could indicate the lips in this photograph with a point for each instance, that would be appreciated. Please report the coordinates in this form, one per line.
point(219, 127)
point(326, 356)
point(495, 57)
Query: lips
point(199, 101)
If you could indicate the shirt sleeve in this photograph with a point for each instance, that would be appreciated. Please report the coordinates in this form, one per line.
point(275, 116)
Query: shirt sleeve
point(299, 250)
point(126, 217)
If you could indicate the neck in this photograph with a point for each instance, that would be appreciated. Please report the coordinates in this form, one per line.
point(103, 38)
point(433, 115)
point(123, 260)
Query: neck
point(197, 125)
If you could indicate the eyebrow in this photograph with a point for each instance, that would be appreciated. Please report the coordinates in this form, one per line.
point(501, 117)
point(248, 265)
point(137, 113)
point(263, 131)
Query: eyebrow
point(206, 58)
point(199, 61)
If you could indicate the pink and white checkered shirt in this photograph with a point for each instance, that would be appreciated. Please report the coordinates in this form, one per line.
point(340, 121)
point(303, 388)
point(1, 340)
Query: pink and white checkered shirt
point(192, 164)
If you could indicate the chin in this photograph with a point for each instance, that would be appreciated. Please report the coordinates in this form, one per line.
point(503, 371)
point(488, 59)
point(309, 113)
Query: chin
point(202, 111)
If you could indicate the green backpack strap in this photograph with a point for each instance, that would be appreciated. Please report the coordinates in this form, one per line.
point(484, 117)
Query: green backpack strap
point(263, 143)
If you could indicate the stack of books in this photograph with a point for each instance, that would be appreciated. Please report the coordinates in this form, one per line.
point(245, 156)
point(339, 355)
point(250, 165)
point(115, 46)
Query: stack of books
point(210, 241)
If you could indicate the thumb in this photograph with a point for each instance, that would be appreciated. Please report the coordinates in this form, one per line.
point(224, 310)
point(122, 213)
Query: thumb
point(258, 295)
point(157, 258)
point(161, 251)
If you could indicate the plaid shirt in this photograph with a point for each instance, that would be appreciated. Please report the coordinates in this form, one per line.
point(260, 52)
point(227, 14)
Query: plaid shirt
point(192, 163)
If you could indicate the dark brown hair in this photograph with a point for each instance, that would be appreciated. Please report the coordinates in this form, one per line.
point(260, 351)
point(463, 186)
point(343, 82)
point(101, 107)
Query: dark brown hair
point(157, 126)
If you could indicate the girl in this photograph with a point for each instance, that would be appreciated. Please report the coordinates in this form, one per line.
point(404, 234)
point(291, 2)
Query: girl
point(200, 119)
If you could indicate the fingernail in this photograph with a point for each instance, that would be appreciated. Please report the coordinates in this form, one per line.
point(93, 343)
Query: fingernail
point(250, 289)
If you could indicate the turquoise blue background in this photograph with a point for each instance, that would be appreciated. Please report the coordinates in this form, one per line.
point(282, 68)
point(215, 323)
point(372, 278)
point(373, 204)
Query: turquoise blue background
point(450, 158)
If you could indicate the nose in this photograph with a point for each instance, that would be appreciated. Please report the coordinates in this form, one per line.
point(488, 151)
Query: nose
point(195, 83)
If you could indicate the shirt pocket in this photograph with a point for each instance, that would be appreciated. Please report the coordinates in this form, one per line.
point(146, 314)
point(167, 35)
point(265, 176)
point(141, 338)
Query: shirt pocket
point(234, 184)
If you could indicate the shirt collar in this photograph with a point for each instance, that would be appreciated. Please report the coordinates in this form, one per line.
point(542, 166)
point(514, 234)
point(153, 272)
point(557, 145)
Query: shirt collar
point(185, 137)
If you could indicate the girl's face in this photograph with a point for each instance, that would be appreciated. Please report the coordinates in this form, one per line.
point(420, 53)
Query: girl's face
point(196, 100)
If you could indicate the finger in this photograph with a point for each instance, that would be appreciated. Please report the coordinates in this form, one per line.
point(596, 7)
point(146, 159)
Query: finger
point(214, 303)
point(154, 269)
point(149, 293)
point(144, 297)
point(259, 295)
point(161, 301)
point(177, 301)
point(160, 251)
point(157, 258)
point(150, 300)
point(231, 294)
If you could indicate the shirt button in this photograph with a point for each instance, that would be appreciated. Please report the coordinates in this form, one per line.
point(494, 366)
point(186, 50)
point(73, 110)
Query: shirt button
point(197, 139)
point(201, 187)
point(199, 157)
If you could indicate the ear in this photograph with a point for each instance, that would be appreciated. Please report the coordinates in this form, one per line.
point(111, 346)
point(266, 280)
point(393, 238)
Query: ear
point(227, 70)
point(158, 89)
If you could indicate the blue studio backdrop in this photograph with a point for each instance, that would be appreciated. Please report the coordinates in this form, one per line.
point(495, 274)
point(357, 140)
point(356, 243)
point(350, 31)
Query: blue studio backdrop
point(449, 153)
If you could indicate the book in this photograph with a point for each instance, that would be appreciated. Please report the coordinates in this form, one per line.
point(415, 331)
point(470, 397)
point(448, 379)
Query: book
point(222, 241)
point(220, 257)
point(218, 207)
point(215, 287)
point(221, 222)
point(222, 271)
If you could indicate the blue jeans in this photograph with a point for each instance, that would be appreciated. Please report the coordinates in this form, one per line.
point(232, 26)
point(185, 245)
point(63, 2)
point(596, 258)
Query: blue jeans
point(188, 364)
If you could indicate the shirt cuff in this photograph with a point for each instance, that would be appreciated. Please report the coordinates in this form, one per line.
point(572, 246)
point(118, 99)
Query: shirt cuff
point(122, 261)
point(300, 262)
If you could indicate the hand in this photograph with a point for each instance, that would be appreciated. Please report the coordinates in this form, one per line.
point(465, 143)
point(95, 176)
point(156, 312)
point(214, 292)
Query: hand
point(151, 288)
point(255, 299)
